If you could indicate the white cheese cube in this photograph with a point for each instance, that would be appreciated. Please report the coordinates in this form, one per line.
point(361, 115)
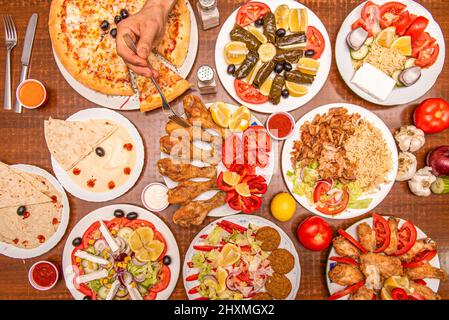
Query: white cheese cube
point(373, 81)
point(92, 276)
point(90, 257)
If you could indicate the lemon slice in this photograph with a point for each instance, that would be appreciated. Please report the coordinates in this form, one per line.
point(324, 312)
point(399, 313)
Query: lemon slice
point(308, 66)
point(266, 87)
point(295, 89)
point(294, 20)
point(221, 114)
point(229, 255)
point(385, 295)
point(282, 14)
point(231, 178)
point(266, 52)
point(259, 35)
point(235, 52)
point(221, 276)
point(134, 242)
point(386, 37)
point(243, 189)
point(403, 45)
point(143, 255)
point(397, 282)
point(155, 249)
point(240, 119)
point(303, 20)
point(146, 234)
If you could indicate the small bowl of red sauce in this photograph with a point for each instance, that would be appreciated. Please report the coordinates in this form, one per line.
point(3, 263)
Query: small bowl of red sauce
point(31, 94)
point(43, 275)
point(280, 125)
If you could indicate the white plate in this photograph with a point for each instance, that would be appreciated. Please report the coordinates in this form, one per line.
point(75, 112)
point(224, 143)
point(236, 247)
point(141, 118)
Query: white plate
point(266, 172)
point(352, 230)
point(384, 188)
point(21, 253)
point(244, 220)
point(77, 191)
point(125, 102)
point(399, 95)
point(285, 105)
point(107, 213)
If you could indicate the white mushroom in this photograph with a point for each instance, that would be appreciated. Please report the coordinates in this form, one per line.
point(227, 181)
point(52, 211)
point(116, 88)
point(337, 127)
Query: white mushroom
point(410, 138)
point(407, 166)
point(421, 181)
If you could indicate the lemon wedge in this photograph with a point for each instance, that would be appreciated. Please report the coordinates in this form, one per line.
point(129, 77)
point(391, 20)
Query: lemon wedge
point(240, 119)
point(235, 52)
point(304, 20)
point(229, 255)
point(221, 114)
point(308, 66)
point(243, 189)
point(397, 282)
point(403, 45)
point(294, 20)
point(231, 178)
point(155, 249)
point(295, 89)
point(221, 276)
point(259, 35)
point(282, 15)
point(386, 37)
point(266, 87)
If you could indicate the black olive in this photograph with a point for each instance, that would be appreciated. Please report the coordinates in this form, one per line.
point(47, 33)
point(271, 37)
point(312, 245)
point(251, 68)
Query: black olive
point(309, 53)
point(117, 19)
point(259, 22)
point(166, 261)
point(99, 151)
point(124, 13)
point(281, 32)
point(87, 298)
point(131, 216)
point(119, 213)
point(114, 33)
point(104, 25)
point(231, 68)
point(279, 67)
point(288, 66)
point(21, 210)
point(285, 94)
point(77, 241)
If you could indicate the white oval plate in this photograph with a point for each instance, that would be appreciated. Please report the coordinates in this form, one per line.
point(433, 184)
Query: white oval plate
point(21, 253)
point(225, 210)
point(384, 188)
point(285, 105)
point(77, 191)
point(398, 95)
point(107, 213)
point(132, 102)
point(244, 220)
point(352, 230)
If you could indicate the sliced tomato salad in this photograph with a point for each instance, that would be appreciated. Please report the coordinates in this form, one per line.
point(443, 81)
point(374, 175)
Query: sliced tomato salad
point(407, 235)
point(315, 41)
point(248, 93)
point(383, 232)
point(250, 12)
point(389, 13)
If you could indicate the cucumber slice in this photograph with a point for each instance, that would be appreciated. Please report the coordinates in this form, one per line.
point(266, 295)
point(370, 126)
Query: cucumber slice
point(125, 233)
point(360, 54)
point(103, 292)
point(440, 186)
point(409, 63)
point(369, 41)
point(395, 76)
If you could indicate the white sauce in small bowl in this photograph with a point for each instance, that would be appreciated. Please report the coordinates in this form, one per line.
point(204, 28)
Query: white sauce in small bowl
point(154, 197)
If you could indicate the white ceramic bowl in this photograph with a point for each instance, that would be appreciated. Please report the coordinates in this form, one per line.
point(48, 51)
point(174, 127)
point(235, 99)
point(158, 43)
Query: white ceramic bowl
point(34, 284)
point(147, 205)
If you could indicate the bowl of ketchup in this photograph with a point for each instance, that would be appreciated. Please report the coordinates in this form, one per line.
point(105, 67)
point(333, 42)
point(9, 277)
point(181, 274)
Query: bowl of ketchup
point(280, 125)
point(43, 275)
point(31, 94)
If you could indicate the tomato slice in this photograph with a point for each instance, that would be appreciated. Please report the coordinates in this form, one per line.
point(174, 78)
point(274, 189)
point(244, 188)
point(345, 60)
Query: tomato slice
point(139, 223)
point(322, 187)
point(360, 23)
point(248, 93)
point(158, 236)
point(164, 279)
point(330, 208)
point(370, 15)
point(354, 242)
point(389, 12)
point(383, 233)
point(223, 186)
point(420, 43)
point(233, 225)
point(428, 56)
point(150, 296)
point(407, 238)
point(250, 12)
point(347, 291)
point(417, 27)
point(89, 234)
point(345, 260)
point(402, 23)
point(420, 259)
point(315, 41)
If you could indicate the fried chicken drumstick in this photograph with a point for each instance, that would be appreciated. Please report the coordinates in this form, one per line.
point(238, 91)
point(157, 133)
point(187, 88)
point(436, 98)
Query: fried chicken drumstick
point(197, 112)
point(182, 172)
point(188, 190)
point(192, 132)
point(185, 150)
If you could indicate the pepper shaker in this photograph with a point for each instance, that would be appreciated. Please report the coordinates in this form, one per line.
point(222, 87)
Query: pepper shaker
point(206, 80)
point(208, 11)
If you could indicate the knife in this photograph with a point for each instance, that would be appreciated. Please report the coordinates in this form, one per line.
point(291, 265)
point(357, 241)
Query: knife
point(26, 54)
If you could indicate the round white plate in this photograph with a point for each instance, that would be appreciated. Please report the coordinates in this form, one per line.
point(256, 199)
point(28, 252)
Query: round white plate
point(285, 105)
point(352, 230)
point(21, 253)
point(107, 213)
point(225, 210)
point(384, 188)
point(398, 95)
point(77, 191)
point(125, 102)
point(244, 220)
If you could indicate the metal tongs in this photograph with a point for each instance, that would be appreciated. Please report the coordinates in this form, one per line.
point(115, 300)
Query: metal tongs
point(165, 105)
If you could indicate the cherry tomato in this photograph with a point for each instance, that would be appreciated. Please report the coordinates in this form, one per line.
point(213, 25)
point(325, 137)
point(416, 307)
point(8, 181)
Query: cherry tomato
point(383, 232)
point(314, 233)
point(347, 291)
point(232, 151)
point(417, 27)
point(248, 93)
point(407, 237)
point(250, 12)
point(315, 41)
point(432, 115)
point(422, 42)
point(428, 56)
point(351, 239)
point(403, 21)
point(389, 12)
point(370, 14)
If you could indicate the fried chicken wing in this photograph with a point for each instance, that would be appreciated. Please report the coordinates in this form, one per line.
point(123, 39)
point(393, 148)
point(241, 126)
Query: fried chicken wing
point(424, 291)
point(344, 248)
point(186, 150)
point(197, 112)
point(393, 225)
point(193, 132)
point(363, 293)
point(194, 212)
point(419, 246)
point(377, 267)
point(188, 190)
point(425, 271)
point(367, 236)
point(345, 274)
point(182, 172)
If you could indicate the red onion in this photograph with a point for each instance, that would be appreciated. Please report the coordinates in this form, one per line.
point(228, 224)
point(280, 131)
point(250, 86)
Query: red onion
point(100, 245)
point(438, 159)
point(137, 262)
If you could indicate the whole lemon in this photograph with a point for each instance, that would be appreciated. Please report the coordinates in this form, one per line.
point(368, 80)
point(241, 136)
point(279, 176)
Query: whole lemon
point(283, 206)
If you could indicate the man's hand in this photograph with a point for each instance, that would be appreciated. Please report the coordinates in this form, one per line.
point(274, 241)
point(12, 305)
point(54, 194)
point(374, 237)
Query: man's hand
point(146, 28)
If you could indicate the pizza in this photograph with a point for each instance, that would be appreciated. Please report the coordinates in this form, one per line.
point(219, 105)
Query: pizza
point(83, 36)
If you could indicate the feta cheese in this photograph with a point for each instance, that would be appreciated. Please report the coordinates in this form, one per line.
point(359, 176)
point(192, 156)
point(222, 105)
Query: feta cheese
point(113, 291)
point(373, 81)
point(90, 257)
point(108, 237)
point(134, 292)
point(92, 276)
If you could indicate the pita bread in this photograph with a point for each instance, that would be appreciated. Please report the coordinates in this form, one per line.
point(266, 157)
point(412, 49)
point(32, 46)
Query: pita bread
point(71, 141)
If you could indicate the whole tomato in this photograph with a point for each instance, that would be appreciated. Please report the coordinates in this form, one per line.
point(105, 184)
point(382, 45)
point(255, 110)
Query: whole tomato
point(314, 233)
point(432, 115)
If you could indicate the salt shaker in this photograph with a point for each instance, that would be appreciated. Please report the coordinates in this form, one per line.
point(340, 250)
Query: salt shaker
point(206, 80)
point(210, 17)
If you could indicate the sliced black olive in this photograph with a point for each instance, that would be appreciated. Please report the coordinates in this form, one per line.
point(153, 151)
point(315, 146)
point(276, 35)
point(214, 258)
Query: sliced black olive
point(87, 298)
point(231, 68)
point(21, 210)
point(114, 33)
point(100, 151)
point(279, 68)
point(309, 53)
point(285, 94)
point(104, 25)
point(259, 22)
point(132, 216)
point(166, 261)
point(117, 19)
point(77, 241)
point(124, 13)
point(288, 66)
point(119, 213)
point(281, 32)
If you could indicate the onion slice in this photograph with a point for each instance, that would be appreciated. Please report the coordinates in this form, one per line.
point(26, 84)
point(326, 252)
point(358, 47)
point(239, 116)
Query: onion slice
point(356, 38)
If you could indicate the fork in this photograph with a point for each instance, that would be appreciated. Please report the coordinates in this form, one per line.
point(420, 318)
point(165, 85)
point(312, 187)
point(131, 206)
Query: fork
point(165, 105)
point(10, 43)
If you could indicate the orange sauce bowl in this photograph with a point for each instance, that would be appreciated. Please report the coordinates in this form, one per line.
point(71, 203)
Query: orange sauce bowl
point(31, 94)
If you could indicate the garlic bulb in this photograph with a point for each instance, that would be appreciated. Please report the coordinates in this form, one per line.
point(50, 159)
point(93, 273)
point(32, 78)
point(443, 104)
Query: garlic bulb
point(407, 166)
point(410, 138)
point(421, 181)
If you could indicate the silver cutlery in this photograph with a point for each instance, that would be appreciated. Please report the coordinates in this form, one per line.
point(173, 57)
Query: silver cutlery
point(165, 105)
point(26, 54)
point(10, 43)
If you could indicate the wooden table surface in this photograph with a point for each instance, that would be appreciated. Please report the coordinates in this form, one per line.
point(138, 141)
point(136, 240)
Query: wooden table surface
point(22, 141)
